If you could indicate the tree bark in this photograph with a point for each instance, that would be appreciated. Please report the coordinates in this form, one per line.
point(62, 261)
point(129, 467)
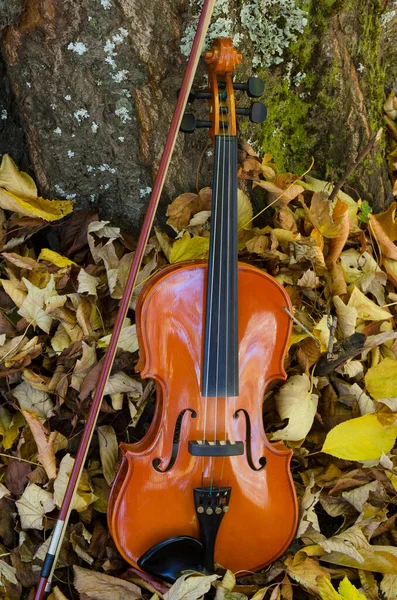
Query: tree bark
point(94, 85)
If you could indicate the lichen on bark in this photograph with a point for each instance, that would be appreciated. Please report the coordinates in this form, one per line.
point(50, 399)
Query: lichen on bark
point(331, 112)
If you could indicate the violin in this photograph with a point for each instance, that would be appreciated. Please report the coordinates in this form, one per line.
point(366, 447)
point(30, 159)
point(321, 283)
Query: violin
point(205, 485)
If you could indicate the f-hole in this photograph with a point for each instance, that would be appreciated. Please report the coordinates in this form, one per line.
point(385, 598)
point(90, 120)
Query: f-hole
point(262, 460)
point(175, 442)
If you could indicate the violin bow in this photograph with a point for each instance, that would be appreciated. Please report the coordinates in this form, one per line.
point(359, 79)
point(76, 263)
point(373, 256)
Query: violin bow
point(44, 585)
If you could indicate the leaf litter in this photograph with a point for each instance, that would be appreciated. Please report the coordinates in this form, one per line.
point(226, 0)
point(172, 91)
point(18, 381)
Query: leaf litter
point(337, 409)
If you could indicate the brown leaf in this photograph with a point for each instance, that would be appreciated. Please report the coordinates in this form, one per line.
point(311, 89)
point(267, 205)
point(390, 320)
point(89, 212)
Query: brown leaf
point(336, 245)
point(73, 232)
point(385, 231)
point(308, 354)
point(45, 443)
point(181, 209)
point(321, 215)
point(16, 477)
point(99, 586)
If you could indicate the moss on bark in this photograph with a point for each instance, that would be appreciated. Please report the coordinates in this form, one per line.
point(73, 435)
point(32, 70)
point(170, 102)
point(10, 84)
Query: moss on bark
point(325, 101)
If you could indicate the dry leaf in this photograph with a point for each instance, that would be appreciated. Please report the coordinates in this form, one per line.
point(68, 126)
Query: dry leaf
point(45, 443)
point(190, 587)
point(33, 505)
point(99, 586)
point(84, 496)
point(108, 451)
point(296, 403)
point(34, 401)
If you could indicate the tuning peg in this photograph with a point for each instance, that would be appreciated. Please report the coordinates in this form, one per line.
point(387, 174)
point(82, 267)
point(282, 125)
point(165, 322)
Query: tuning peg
point(254, 87)
point(197, 95)
point(257, 112)
point(189, 123)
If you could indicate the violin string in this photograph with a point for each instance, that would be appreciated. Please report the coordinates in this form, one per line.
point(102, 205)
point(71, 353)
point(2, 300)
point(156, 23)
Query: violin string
point(209, 308)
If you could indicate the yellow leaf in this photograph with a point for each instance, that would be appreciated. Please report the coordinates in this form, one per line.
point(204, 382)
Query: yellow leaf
point(244, 210)
point(305, 571)
point(381, 380)
point(297, 337)
point(16, 181)
point(10, 426)
point(55, 258)
point(296, 403)
point(189, 248)
point(363, 438)
point(348, 591)
point(49, 210)
point(56, 594)
point(60, 340)
point(390, 266)
point(12, 289)
point(326, 589)
point(366, 308)
point(380, 559)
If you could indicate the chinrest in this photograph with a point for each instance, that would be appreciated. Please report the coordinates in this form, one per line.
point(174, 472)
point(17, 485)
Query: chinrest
point(171, 557)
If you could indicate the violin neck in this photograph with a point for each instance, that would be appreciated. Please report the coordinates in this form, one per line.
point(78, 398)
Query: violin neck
point(220, 360)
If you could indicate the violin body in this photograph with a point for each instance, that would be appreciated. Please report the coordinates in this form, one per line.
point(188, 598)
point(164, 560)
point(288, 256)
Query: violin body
point(152, 496)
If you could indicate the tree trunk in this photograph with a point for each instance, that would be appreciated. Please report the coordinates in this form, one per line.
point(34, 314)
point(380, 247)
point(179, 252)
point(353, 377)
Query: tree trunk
point(94, 85)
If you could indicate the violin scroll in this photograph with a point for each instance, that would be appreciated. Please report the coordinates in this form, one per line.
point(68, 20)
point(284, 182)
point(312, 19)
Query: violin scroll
point(222, 61)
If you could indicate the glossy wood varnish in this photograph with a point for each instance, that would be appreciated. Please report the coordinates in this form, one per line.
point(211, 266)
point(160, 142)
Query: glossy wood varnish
point(145, 506)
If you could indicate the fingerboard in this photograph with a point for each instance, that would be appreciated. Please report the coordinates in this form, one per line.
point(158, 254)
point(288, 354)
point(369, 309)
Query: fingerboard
point(220, 353)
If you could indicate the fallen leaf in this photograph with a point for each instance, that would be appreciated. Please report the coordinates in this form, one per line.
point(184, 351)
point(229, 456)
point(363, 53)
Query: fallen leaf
point(45, 443)
point(84, 496)
point(381, 380)
point(366, 308)
point(7, 572)
point(56, 594)
point(363, 438)
point(34, 401)
point(55, 258)
point(83, 366)
point(190, 587)
point(99, 586)
point(14, 291)
point(24, 262)
point(128, 340)
point(33, 505)
point(296, 403)
point(179, 212)
point(347, 316)
point(189, 248)
point(340, 215)
point(87, 283)
point(244, 210)
point(108, 451)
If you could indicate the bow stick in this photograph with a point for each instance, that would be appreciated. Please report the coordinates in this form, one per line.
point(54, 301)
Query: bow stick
point(48, 568)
